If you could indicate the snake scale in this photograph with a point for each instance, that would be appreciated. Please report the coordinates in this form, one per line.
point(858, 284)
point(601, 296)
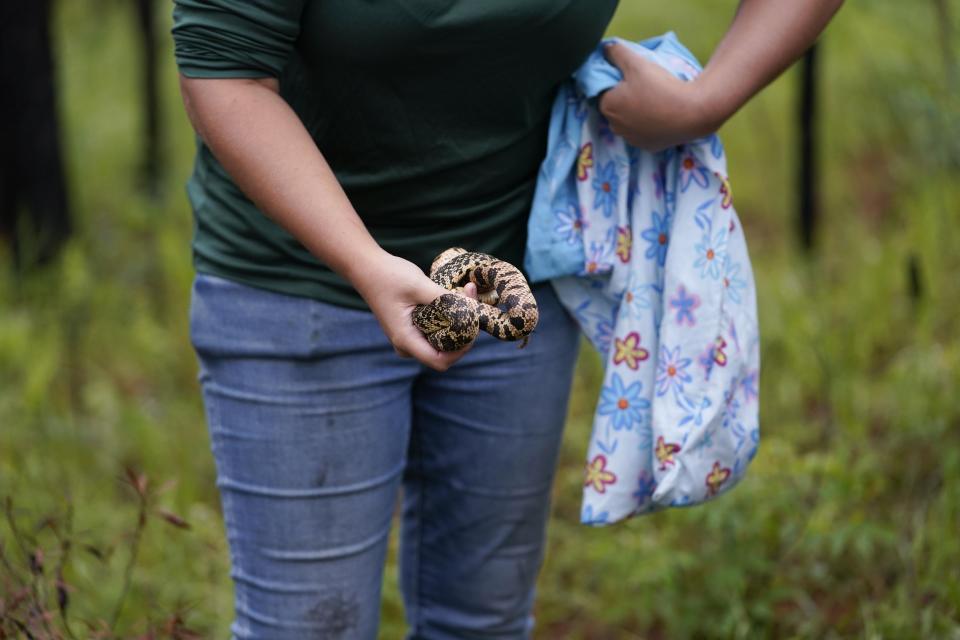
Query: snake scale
point(506, 308)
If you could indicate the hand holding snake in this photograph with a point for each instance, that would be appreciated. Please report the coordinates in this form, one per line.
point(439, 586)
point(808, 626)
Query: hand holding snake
point(505, 308)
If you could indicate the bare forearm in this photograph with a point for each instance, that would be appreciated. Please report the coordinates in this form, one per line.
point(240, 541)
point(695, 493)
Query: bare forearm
point(766, 36)
point(270, 155)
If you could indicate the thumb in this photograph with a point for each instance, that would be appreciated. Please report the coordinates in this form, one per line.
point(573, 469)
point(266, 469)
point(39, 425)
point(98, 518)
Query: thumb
point(425, 290)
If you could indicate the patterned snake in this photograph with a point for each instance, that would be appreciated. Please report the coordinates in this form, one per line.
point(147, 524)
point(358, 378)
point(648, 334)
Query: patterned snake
point(506, 308)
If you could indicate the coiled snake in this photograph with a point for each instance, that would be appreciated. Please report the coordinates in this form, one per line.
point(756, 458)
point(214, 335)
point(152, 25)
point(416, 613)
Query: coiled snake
point(506, 308)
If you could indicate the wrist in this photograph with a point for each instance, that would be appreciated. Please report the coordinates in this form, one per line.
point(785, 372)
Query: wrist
point(367, 268)
point(713, 104)
point(701, 117)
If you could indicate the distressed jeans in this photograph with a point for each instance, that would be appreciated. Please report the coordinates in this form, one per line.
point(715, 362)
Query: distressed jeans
point(316, 425)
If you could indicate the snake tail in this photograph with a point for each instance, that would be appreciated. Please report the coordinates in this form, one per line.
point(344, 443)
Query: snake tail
point(516, 314)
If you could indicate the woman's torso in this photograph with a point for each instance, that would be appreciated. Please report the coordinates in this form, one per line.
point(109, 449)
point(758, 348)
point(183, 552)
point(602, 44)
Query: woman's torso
point(432, 113)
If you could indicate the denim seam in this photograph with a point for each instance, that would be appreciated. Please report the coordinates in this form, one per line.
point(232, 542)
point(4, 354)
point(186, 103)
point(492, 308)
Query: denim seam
point(213, 419)
point(421, 485)
point(227, 483)
point(272, 398)
point(330, 553)
point(457, 421)
point(505, 494)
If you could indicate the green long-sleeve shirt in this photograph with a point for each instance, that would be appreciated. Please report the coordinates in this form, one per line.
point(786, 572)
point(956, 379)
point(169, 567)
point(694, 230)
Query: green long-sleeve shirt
point(432, 114)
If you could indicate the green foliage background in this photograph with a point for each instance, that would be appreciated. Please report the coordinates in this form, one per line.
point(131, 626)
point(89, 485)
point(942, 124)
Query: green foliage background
point(847, 524)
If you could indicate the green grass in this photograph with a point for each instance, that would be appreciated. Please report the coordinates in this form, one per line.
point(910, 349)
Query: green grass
point(846, 525)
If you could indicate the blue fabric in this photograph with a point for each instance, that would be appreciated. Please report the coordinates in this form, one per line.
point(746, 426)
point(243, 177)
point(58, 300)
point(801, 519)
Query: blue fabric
point(549, 254)
point(316, 423)
point(647, 252)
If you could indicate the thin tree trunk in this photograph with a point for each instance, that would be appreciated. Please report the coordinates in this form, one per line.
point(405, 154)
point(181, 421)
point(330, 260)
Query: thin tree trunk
point(945, 24)
point(146, 20)
point(34, 213)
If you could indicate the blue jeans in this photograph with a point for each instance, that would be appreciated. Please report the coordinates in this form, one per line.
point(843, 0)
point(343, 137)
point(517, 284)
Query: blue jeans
point(316, 423)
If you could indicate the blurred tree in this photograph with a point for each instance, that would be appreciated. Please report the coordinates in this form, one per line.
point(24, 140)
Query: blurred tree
point(151, 162)
point(945, 24)
point(34, 214)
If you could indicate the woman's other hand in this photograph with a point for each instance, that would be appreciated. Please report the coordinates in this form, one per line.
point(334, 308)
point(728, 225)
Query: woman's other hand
point(393, 287)
point(651, 108)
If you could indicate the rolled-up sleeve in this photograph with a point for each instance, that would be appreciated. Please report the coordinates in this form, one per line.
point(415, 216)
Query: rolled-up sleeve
point(234, 38)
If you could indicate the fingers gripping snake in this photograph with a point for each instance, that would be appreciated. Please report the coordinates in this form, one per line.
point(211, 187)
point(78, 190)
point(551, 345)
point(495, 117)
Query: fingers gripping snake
point(506, 308)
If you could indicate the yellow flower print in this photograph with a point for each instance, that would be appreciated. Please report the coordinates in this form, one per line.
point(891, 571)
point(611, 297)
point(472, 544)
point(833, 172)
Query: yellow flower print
point(716, 477)
point(624, 243)
point(597, 475)
point(629, 351)
point(726, 191)
point(719, 355)
point(665, 452)
point(585, 161)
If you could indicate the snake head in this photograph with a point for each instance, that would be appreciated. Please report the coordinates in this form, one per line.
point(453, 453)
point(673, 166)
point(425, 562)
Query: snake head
point(450, 323)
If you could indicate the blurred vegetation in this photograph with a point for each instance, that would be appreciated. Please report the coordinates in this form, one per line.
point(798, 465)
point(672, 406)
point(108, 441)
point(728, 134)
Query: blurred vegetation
point(846, 526)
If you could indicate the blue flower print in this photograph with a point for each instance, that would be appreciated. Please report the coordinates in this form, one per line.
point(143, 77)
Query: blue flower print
point(603, 337)
point(703, 445)
point(749, 386)
point(604, 130)
point(599, 259)
point(658, 235)
point(731, 280)
point(716, 147)
point(755, 439)
point(605, 182)
point(692, 171)
point(646, 485)
point(696, 413)
point(587, 516)
point(580, 313)
point(711, 251)
point(732, 412)
point(642, 299)
point(681, 501)
point(704, 215)
point(706, 361)
point(685, 304)
point(624, 404)
point(595, 324)
point(659, 181)
point(636, 190)
point(732, 330)
point(645, 436)
point(607, 442)
point(579, 105)
point(636, 299)
point(671, 371)
point(739, 432)
point(570, 223)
